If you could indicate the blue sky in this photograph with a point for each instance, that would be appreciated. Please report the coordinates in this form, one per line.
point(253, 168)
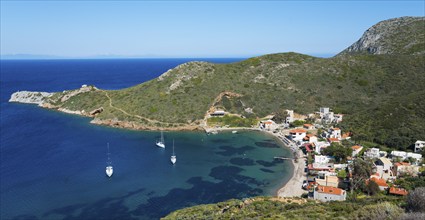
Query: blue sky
point(189, 28)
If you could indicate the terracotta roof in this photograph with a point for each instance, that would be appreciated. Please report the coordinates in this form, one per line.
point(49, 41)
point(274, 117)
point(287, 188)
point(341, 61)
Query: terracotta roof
point(307, 125)
point(380, 182)
point(402, 164)
point(398, 191)
point(268, 122)
point(299, 130)
point(329, 190)
point(310, 135)
point(335, 129)
point(356, 147)
point(333, 139)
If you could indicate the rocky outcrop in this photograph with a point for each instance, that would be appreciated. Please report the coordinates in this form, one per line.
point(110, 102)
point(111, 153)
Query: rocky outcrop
point(404, 35)
point(30, 97)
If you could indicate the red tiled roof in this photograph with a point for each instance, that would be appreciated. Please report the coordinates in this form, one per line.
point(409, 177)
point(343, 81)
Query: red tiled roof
point(299, 130)
point(268, 122)
point(329, 190)
point(333, 139)
point(380, 182)
point(335, 129)
point(401, 164)
point(398, 191)
point(356, 147)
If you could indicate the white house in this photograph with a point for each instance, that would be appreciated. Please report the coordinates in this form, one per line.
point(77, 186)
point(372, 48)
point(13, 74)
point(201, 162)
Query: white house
point(384, 167)
point(404, 168)
point(218, 113)
point(269, 124)
point(320, 159)
point(356, 150)
point(404, 155)
point(290, 117)
point(374, 153)
point(381, 183)
point(297, 134)
point(419, 145)
point(335, 133)
point(318, 146)
point(329, 193)
point(338, 118)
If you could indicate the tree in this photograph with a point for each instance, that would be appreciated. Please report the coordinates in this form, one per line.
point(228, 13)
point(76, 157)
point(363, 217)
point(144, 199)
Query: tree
point(372, 188)
point(280, 116)
point(361, 172)
point(381, 211)
point(338, 151)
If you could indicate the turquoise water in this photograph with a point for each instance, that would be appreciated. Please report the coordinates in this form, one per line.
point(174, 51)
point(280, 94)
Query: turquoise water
point(53, 164)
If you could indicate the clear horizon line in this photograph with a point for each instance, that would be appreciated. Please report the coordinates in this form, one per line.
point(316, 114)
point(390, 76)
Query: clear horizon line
point(57, 57)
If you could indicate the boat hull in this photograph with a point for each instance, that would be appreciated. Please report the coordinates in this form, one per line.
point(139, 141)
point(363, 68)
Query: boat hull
point(109, 171)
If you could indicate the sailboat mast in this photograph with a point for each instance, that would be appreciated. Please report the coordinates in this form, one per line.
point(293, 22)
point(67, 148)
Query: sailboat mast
point(109, 159)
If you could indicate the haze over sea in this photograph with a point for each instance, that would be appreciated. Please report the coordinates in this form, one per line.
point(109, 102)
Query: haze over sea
point(53, 164)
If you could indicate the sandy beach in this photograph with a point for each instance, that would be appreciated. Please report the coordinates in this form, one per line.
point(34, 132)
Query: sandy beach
point(293, 187)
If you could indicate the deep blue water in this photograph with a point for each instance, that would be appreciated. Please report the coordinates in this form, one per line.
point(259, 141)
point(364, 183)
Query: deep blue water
point(53, 164)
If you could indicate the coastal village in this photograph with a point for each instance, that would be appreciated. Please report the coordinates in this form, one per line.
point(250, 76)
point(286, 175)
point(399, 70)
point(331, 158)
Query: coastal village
point(328, 164)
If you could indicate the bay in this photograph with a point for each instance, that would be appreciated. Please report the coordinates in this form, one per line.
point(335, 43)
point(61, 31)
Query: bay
point(53, 164)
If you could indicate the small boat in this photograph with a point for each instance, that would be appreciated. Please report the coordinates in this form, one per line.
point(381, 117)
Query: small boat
point(173, 157)
point(234, 132)
point(109, 168)
point(160, 143)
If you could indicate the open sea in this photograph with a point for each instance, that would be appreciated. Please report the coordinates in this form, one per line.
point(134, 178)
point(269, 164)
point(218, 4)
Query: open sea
point(53, 164)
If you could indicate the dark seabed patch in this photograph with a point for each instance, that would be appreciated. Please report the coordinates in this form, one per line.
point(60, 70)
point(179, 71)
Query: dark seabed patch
point(230, 151)
point(108, 208)
point(242, 161)
point(267, 144)
point(269, 164)
point(267, 170)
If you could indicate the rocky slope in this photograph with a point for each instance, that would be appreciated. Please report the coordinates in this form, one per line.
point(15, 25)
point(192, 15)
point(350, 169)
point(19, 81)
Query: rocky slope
point(403, 35)
point(30, 97)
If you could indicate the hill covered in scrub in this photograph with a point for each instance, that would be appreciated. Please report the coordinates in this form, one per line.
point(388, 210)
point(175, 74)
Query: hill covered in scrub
point(378, 82)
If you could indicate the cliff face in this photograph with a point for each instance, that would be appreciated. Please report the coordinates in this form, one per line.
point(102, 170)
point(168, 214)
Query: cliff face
point(405, 35)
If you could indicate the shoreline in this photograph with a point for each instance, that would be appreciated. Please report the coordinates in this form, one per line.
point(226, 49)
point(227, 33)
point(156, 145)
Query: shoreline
point(293, 187)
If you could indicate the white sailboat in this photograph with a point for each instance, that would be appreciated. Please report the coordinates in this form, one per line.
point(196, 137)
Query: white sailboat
point(173, 157)
point(109, 168)
point(161, 143)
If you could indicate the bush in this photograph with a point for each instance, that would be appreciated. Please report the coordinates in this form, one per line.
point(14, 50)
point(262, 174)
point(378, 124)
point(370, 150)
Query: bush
point(416, 200)
point(379, 211)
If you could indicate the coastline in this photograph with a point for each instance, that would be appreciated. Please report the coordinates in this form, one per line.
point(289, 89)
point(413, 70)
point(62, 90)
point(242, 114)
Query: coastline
point(292, 188)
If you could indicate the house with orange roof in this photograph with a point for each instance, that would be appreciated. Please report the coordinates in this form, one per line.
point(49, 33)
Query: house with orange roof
point(356, 150)
point(329, 193)
point(308, 126)
point(381, 183)
point(405, 169)
point(297, 134)
point(269, 124)
point(398, 191)
point(332, 140)
point(310, 138)
point(335, 133)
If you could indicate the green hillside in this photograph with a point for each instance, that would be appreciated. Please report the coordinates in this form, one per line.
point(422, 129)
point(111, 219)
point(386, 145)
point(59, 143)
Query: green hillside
point(382, 94)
